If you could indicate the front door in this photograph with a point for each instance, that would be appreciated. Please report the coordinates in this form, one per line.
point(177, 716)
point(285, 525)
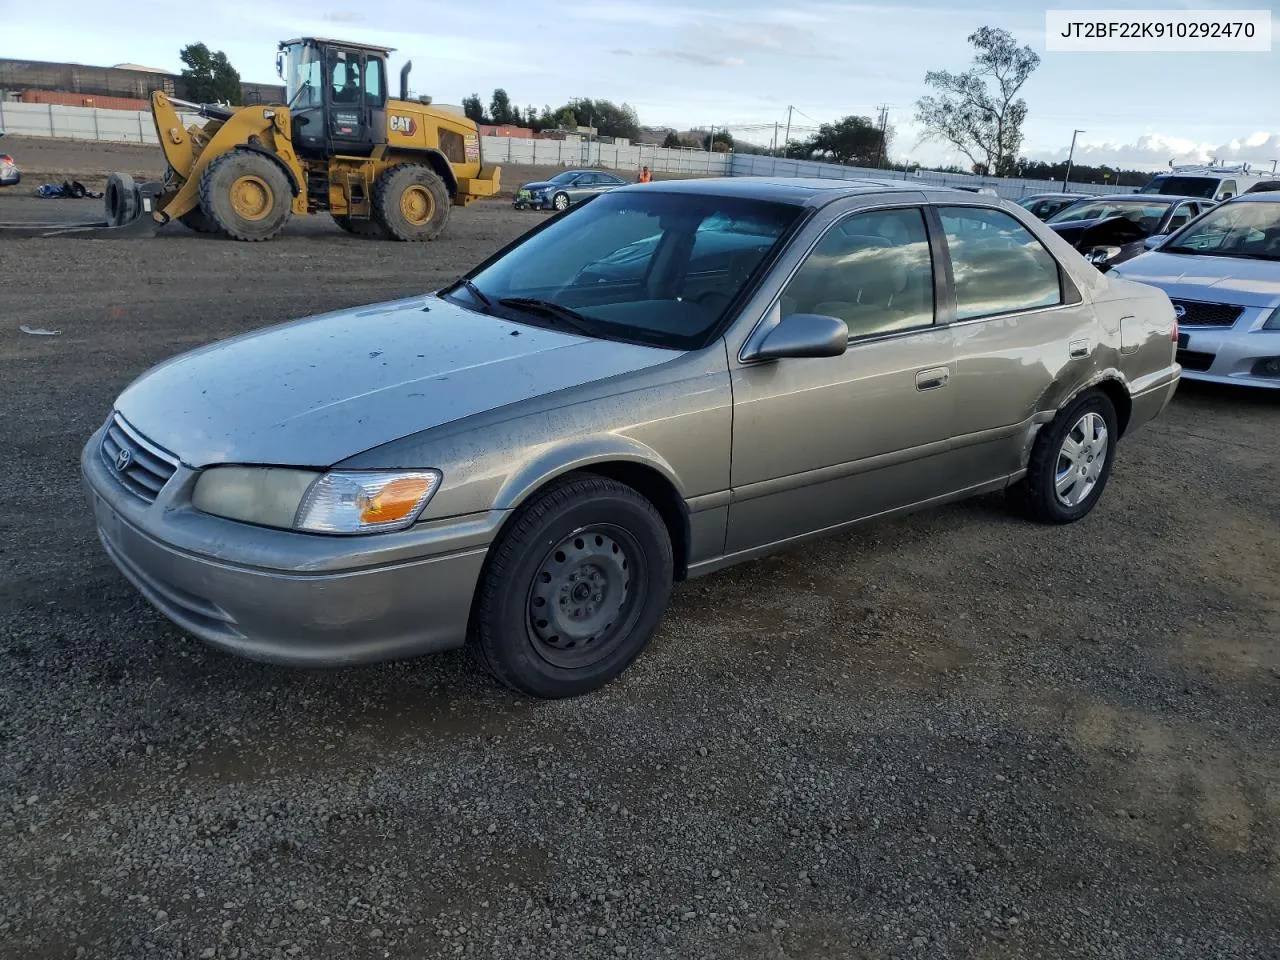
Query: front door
point(353, 94)
point(821, 442)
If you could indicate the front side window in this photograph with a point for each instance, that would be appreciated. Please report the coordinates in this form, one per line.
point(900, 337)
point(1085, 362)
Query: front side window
point(873, 270)
point(636, 266)
point(345, 80)
point(1240, 229)
point(997, 264)
point(1228, 189)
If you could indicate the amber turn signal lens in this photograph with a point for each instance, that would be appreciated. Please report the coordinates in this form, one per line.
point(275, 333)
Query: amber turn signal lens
point(394, 501)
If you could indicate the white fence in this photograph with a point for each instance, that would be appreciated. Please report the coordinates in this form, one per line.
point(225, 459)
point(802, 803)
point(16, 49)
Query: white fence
point(747, 165)
point(79, 123)
point(91, 123)
point(577, 152)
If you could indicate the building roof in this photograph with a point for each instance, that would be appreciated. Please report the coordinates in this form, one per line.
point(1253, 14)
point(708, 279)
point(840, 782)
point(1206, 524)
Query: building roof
point(139, 68)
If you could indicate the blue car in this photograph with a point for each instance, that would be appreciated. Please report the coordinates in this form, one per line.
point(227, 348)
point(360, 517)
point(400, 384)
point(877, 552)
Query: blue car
point(565, 189)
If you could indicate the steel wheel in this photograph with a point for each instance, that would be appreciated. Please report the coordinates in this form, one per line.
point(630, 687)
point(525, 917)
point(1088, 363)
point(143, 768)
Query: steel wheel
point(1081, 458)
point(417, 205)
point(581, 595)
point(251, 197)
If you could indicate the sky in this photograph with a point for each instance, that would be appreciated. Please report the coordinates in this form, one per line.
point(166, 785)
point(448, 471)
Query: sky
point(741, 63)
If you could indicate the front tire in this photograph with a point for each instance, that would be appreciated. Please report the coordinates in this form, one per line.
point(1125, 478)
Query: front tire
point(560, 202)
point(246, 195)
point(411, 203)
point(1070, 462)
point(573, 590)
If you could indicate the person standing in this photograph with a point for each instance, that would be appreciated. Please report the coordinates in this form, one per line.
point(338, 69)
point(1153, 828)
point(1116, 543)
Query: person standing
point(645, 175)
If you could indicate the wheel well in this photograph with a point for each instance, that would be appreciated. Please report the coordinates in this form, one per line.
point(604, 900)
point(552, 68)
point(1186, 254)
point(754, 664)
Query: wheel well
point(659, 491)
point(1119, 397)
point(434, 159)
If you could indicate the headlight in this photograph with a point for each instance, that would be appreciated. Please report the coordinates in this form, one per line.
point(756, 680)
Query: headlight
point(342, 502)
point(1273, 320)
point(1102, 254)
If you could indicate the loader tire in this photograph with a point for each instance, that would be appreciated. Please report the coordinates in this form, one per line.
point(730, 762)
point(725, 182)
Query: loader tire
point(369, 229)
point(246, 195)
point(195, 219)
point(411, 202)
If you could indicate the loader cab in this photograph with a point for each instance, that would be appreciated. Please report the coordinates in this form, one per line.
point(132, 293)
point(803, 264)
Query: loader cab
point(337, 96)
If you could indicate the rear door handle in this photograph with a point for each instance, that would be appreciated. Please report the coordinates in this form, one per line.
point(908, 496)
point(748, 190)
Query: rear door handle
point(932, 378)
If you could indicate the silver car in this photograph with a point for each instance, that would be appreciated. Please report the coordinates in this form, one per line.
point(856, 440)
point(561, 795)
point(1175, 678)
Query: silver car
point(661, 383)
point(1222, 273)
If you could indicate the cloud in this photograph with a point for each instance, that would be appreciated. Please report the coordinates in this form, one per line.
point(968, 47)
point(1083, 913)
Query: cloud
point(1155, 150)
point(343, 16)
point(699, 59)
point(620, 52)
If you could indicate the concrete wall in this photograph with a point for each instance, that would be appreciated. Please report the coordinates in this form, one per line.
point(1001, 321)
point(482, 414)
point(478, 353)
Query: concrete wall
point(79, 123)
point(577, 152)
point(745, 165)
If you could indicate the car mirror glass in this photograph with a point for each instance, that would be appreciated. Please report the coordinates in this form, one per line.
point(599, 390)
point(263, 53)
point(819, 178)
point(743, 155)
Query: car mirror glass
point(804, 335)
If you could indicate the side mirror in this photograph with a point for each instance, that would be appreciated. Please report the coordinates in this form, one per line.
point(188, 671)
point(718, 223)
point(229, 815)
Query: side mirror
point(280, 65)
point(1228, 195)
point(1152, 242)
point(802, 335)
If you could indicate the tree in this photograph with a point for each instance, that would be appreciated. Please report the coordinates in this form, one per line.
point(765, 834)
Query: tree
point(209, 77)
point(672, 141)
point(983, 123)
point(721, 142)
point(853, 140)
point(473, 108)
point(500, 109)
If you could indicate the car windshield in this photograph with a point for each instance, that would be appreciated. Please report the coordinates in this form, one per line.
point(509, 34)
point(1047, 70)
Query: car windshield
point(1204, 187)
point(1100, 210)
point(650, 267)
point(1248, 230)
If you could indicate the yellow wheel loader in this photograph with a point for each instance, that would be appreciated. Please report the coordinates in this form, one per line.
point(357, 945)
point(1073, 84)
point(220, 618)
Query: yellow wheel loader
point(381, 167)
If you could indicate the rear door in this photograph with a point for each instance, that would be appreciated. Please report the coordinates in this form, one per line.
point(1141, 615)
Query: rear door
point(1020, 328)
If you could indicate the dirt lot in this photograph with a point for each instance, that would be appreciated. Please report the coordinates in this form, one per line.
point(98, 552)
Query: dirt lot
point(956, 735)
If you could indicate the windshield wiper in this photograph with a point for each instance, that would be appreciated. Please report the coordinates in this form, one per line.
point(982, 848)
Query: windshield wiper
point(476, 293)
point(569, 317)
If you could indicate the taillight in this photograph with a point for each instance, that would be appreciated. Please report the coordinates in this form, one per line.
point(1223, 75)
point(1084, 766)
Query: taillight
point(1175, 330)
point(5, 158)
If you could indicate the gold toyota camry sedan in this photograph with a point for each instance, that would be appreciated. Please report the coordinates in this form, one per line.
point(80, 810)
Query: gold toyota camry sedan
point(659, 383)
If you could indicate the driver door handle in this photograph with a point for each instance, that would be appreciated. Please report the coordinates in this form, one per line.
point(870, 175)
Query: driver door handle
point(933, 378)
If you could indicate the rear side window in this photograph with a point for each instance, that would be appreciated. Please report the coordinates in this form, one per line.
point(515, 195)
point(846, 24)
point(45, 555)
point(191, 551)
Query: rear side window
point(873, 270)
point(999, 267)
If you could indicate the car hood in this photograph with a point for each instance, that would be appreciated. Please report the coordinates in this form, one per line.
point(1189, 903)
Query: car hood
point(537, 185)
point(314, 392)
point(1247, 283)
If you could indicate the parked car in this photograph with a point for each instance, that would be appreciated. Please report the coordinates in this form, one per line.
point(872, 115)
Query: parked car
point(1216, 182)
point(565, 189)
point(1110, 230)
point(9, 172)
point(1222, 273)
point(1045, 205)
point(524, 461)
point(1264, 186)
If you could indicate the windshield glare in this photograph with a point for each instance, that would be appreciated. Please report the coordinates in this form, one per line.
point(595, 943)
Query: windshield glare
point(649, 267)
point(1250, 230)
point(1110, 208)
point(1204, 187)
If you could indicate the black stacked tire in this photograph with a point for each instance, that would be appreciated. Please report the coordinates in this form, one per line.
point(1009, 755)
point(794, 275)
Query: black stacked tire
point(411, 203)
point(573, 589)
point(121, 199)
point(369, 229)
point(195, 219)
point(246, 195)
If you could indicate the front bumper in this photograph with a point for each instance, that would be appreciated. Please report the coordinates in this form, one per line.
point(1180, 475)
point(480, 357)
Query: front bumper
point(1227, 355)
point(284, 597)
point(531, 202)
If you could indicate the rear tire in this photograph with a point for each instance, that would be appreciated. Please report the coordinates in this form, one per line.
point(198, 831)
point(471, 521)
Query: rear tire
point(368, 229)
point(246, 195)
point(1070, 462)
point(573, 590)
point(195, 219)
point(411, 203)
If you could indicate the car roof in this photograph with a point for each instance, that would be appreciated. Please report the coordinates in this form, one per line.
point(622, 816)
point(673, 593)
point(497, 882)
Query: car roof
point(1169, 198)
point(800, 191)
point(1262, 196)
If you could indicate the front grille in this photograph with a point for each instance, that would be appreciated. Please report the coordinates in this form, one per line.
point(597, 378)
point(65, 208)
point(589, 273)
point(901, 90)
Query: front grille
point(1200, 314)
point(140, 466)
point(1195, 360)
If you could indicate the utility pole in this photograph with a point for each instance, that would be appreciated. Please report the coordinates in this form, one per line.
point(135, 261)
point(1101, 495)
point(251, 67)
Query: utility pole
point(786, 141)
point(884, 125)
point(711, 139)
point(1070, 154)
point(774, 147)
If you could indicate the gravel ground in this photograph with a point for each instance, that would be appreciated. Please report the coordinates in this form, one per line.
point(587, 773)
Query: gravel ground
point(954, 735)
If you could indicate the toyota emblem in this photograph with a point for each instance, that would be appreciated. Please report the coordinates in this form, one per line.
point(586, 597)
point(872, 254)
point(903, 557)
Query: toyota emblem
point(123, 458)
point(1179, 311)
